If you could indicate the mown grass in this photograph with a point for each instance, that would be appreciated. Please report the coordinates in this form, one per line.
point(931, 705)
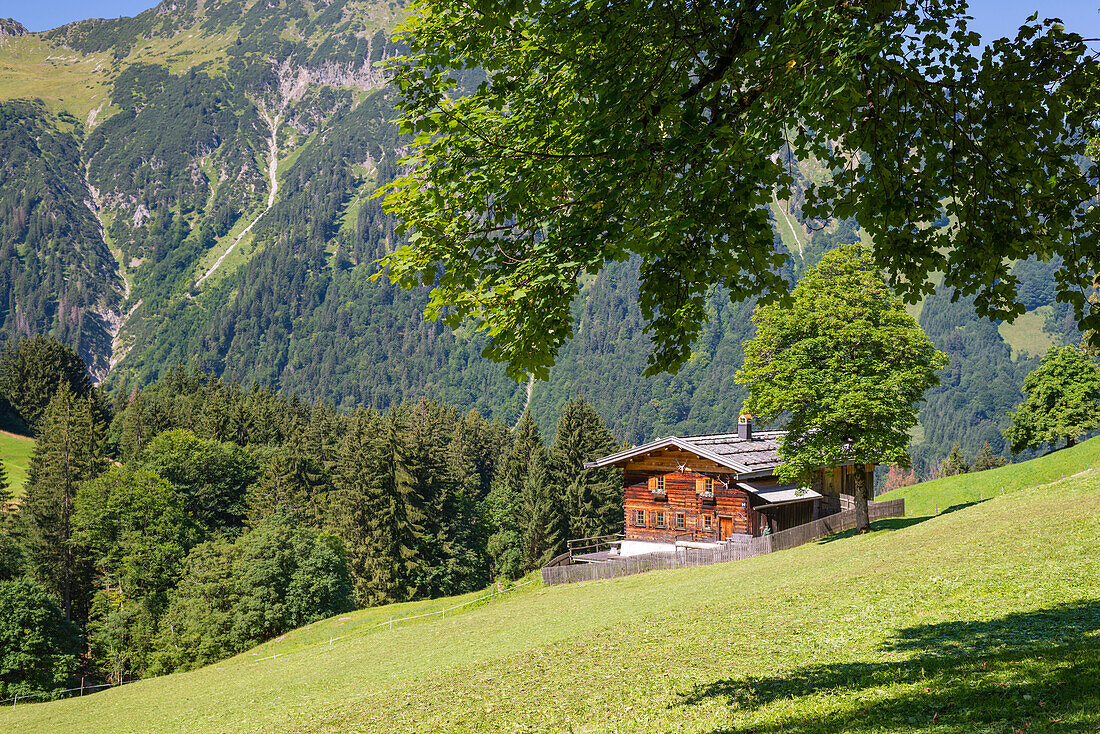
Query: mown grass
point(15, 453)
point(928, 498)
point(986, 619)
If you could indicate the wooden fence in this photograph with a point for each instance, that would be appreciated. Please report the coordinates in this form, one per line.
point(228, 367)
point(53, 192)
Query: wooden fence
point(731, 551)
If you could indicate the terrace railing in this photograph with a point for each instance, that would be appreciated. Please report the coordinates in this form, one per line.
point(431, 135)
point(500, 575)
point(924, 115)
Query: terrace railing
point(595, 544)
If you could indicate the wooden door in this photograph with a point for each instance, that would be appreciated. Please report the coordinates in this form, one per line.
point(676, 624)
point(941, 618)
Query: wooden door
point(725, 527)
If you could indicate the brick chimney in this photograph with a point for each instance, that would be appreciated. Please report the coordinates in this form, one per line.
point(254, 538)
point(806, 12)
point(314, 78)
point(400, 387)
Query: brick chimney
point(744, 427)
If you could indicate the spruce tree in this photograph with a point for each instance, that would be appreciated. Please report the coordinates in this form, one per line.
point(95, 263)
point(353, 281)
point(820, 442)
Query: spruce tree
point(987, 458)
point(293, 483)
point(465, 526)
point(135, 433)
point(540, 515)
point(955, 463)
point(355, 481)
point(525, 506)
point(31, 371)
point(593, 498)
point(322, 434)
point(69, 451)
point(426, 442)
point(396, 513)
point(506, 544)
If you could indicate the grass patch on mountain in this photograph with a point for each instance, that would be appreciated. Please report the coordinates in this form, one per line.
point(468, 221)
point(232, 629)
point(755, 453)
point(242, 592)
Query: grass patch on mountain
point(1026, 335)
point(928, 498)
point(15, 453)
point(980, 620)
point(31, 68)
point(186, 49)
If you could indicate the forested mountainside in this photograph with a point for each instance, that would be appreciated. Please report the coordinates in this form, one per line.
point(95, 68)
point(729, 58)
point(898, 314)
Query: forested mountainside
point(194, 185)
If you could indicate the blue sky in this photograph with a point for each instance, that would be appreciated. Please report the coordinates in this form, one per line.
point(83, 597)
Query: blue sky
point(992, 18)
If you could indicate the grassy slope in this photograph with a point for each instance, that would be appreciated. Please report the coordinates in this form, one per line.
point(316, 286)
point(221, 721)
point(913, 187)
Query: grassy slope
point(15, 452)
point(980, 620)
point(929, 498)
point(31, 67)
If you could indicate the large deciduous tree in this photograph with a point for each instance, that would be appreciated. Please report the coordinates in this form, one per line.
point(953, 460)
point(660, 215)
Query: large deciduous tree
point(1063, 400)
point(137, 528)
point(843, 367)
point(610, 129)
point(213, 476)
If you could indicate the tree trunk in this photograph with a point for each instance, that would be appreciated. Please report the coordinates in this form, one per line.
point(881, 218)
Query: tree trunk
point(863, 522)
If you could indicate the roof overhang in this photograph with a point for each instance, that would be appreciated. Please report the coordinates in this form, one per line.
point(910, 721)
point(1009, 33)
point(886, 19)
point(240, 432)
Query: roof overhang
point(665, 443)
point(783, 494)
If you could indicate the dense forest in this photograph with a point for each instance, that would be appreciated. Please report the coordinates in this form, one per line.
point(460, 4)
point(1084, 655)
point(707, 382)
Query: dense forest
point(195, 518)
point(204, 195)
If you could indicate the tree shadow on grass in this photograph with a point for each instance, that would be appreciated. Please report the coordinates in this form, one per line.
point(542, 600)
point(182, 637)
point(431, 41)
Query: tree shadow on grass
point(1021, 674)
point(899, 523)
point(893, 523)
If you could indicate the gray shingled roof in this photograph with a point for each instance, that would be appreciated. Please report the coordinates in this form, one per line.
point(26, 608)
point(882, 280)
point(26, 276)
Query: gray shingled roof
point(760, 453)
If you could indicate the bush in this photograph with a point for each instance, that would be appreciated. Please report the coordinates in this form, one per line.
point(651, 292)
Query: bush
point(233, 596)
point(39, 648)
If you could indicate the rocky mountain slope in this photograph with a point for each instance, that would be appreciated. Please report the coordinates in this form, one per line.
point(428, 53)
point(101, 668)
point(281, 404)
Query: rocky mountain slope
point(194, 184)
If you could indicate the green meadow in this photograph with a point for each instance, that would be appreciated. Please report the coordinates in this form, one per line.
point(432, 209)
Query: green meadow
point(15, 453)
point(985, 618)
point(929, 498)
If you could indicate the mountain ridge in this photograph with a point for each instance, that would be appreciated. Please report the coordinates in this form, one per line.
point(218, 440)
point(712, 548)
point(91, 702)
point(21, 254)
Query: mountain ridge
point(214, 164)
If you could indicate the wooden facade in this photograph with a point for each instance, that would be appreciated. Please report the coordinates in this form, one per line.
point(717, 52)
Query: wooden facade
point(726, 487)
point(680, 507)
point(677, 505)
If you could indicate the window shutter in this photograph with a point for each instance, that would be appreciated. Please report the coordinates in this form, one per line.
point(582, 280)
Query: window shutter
point(653, 484)
point(700, 484)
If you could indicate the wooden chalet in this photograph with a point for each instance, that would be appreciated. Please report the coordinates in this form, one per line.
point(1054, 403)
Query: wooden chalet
point(712, 488)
